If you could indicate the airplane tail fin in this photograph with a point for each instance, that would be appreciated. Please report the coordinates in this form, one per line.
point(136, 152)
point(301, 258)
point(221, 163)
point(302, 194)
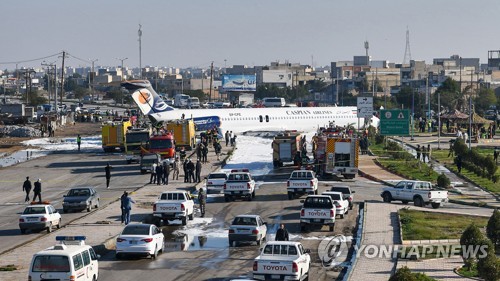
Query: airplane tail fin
point(146, 97)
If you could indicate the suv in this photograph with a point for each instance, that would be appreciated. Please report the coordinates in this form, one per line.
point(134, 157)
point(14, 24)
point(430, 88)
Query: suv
point(347, 192)
point(80, 198)
point(39, 216)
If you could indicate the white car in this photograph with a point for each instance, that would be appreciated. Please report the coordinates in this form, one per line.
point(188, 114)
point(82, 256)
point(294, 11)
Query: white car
point(140, 239)
point(247, 228)
point(39, 217)
point(341, 204)
point(215, 182)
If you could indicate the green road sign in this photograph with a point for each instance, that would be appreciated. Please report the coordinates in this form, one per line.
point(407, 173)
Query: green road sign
point(395, 122)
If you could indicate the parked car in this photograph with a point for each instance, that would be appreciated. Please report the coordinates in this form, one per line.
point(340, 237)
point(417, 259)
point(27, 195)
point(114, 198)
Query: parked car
point(215, 182)
point(81, 198)
point(247, 228)
point(140, 239)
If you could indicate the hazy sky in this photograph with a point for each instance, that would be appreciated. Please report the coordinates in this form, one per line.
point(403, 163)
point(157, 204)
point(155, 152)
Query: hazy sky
point(193, 33)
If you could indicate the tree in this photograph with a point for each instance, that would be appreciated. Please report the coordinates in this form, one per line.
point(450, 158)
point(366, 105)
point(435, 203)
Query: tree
point(493, 228)
point(34, 98)
point(472, 236)
point(485, 98)
point(80, 92)
point(488, 267)
point(450, 94)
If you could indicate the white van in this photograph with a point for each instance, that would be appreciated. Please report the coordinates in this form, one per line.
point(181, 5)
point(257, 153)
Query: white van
point(70, 260)
point(181, 100)
point(274, 102)
point(193, 102)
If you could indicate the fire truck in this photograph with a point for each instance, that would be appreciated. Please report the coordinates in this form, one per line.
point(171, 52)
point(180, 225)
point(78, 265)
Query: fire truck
point(113, 134)
point(184, 133)
point(336, 155)
point(135, 140)
point(285, 146)
point(163, 143)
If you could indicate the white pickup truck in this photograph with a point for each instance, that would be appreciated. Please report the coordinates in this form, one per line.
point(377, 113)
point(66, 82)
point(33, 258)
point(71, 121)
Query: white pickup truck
point(239, 185)
point(341, 204)
point(215, 181)
point(317, 209)
point(302, 182)
point(173, 205)
point(282, 260)
point(420, 192)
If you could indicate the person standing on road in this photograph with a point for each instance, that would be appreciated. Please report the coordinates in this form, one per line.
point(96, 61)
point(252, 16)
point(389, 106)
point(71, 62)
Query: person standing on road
point(175, 167)
point(152, 179)
point(205, 154)
point(496, 152)
point(107, 170)
point(281, 234)
point(429, 153)
point(198, 171)
point(127, 206)
point(38, 191)
point(418, 150)
point(159, 173)
point(190, 171)
point(202, 200)
point(424, 153)
point(226, 136)
point(185, 169)
point(166, 172)
point(78, 142)
point(122, 208)
point(27, 189)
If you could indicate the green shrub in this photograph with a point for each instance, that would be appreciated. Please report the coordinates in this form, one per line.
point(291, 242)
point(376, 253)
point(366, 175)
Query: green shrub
point(379, 139)
point(403, 274)
point(489, 267)
point(471, 236)
point(493, 228)
point(443, 181)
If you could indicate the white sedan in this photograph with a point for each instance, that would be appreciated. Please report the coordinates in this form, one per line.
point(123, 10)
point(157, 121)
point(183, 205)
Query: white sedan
point(140, 239)
point(341, 204)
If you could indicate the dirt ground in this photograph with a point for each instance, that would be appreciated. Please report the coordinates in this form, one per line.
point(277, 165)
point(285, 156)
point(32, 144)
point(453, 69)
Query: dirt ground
point(10, 144)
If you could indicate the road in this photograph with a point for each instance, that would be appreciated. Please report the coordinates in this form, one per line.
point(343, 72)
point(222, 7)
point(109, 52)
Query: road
point(59, 172)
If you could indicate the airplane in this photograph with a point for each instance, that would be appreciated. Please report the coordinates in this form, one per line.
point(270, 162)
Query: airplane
point(241, 120)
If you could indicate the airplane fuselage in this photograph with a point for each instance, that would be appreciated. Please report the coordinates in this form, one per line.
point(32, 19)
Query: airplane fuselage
point(267, 119)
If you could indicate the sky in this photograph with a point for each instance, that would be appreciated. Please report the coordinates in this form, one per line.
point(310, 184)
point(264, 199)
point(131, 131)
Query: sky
point(193, 33)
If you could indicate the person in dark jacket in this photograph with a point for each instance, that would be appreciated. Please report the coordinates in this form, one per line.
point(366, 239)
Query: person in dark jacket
point(190, 171)
point(124, 195)
point(198, 171)
point(27, 189)
point(159, 173)
point(107, 170)
point(38, 191)
point(166, 172)
point(185, 168)
point(204, 153)
point(127, 202)
point(281, 234)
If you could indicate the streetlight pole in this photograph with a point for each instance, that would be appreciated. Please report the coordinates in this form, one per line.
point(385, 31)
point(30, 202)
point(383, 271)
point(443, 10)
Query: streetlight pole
point(122, 65)
point(470, 121)
point(139, 32)
point(413, 114)
point(439, 121)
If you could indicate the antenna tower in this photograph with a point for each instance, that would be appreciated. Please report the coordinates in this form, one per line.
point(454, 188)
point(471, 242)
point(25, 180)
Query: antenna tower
point(407, 58)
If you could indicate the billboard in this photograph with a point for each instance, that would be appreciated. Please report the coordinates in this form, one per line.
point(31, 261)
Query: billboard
point(242, 83)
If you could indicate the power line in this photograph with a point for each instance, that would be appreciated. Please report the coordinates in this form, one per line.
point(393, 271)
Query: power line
point(83, 60)
point(16, 62)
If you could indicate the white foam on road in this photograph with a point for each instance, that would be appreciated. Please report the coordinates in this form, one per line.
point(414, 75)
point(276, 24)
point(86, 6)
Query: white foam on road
point(66, 144)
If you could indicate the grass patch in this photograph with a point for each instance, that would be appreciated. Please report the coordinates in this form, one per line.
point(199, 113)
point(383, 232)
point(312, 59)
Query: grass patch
point(427, 252)
point(469, 273)
point(442, 157)
point(410, 169)
point(9, 267)
point(419, 225)
point(378, 149)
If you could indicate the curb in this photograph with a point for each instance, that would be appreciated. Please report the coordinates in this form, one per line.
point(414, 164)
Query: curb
point(474, 204)
point(430, 242)
point(359, 239)
point(457, 273)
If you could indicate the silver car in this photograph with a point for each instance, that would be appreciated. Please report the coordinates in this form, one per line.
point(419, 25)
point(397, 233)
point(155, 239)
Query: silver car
point(247, 228)
point(81, 198)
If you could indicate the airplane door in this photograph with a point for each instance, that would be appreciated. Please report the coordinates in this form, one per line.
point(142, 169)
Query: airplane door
point(260, 118)
point(267, 118)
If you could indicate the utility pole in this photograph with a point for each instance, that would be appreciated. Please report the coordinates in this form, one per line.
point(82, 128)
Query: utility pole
point(62, 77)
point(428, 100)
point(139, 32)
point(17, 80)
point(470, 122)
point(91, 83)
point(412, 113)
point(211, 76)
point(55, 85)
point(439, 120)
